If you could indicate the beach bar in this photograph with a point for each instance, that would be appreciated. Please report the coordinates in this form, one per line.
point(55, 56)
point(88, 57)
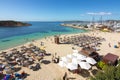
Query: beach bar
point(110, 59)
point(56, 39)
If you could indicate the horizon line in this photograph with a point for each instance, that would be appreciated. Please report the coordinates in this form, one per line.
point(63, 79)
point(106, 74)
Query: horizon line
point(55, 20)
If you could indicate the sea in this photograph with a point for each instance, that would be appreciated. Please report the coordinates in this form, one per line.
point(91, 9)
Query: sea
point(15, 36)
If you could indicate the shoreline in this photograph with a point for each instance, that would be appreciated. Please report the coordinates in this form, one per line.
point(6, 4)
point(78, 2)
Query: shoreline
point(42, 38)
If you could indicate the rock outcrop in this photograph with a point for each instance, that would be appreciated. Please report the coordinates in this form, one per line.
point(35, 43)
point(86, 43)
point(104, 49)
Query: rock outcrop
point(13, 23)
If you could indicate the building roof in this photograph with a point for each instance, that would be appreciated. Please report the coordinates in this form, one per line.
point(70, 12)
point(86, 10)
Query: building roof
point(110, 57)
point(87, 51)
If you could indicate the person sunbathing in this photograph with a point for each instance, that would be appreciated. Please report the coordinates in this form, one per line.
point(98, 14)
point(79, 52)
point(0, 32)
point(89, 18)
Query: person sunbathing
point(23, 74)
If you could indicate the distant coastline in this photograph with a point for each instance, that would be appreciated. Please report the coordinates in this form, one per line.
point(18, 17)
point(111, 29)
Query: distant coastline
point(13, 24)
point(74, 26)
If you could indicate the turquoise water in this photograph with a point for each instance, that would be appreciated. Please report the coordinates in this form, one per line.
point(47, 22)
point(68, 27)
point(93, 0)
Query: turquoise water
point(11, 37)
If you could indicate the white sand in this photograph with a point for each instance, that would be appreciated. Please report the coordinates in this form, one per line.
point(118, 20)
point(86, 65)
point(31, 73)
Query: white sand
point(52, 71)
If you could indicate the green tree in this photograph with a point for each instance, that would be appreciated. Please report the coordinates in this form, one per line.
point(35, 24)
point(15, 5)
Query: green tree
point(101, 64)
point(108, 73)
point(117, 76)
point(98, 76)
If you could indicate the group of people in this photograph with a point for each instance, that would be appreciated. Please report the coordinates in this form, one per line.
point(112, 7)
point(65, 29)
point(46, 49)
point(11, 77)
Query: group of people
point(55, 59)
point(15, 76)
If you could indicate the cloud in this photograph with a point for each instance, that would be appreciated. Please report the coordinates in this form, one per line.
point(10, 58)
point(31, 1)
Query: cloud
point(99, 13)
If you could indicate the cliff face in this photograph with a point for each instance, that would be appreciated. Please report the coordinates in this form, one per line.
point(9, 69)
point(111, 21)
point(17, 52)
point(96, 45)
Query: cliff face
point(13, 23)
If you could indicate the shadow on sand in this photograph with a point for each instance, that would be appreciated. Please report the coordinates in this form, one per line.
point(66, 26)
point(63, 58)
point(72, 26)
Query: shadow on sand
point(45, 61)
point(84, 73)
point(48, 54)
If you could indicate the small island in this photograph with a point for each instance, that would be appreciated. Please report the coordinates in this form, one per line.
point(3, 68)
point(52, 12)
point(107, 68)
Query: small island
point(13, 24)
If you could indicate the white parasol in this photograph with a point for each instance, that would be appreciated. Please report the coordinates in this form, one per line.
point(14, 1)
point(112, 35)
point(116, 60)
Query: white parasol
point(85, 65)
point(71, 66)
point(91, 60)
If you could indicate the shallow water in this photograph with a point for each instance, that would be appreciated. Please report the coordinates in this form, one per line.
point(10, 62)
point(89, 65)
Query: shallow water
point(14, 36)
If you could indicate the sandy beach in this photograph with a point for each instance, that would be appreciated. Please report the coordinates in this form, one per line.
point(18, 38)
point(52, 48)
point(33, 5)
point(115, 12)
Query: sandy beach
point(60, 40)
point(53, 71)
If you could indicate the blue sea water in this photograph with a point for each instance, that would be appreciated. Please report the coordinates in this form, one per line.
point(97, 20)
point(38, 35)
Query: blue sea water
point(14, 36)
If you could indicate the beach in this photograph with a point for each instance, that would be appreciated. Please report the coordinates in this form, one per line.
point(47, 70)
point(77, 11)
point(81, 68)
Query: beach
point(53, 71)
point(59, 40)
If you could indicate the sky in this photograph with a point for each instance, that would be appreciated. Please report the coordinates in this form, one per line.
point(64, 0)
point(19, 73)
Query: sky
point(59, 10)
